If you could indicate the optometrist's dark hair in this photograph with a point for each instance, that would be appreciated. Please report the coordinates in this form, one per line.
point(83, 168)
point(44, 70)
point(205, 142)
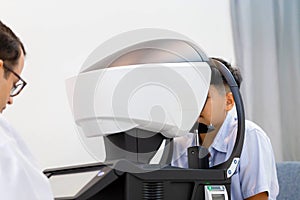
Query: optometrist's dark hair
point(11, 47)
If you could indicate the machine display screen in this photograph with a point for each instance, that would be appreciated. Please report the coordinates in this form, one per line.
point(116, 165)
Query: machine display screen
point(69, 185)
point(218, 197)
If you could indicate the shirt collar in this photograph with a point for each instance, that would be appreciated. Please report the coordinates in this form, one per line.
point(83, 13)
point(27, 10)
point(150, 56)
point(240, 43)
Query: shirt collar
point(222, 138)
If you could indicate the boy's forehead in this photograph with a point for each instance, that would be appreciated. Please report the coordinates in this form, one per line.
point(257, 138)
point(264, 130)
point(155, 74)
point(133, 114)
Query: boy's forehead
point(220, 89)
point(212, 88)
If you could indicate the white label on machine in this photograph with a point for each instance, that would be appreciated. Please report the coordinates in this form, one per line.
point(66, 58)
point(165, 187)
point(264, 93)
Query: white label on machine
point(215, 192)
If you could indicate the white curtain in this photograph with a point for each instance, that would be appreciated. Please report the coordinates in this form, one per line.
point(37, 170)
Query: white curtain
point(267, 47)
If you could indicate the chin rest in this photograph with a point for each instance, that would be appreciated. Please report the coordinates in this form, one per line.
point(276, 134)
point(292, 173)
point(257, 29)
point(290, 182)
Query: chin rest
point(137, 146)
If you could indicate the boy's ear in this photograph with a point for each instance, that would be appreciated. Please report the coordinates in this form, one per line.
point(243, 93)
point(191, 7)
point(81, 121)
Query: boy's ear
point(229, 101)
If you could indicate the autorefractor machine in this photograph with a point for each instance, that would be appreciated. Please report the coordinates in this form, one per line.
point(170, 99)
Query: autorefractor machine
point(138, 99)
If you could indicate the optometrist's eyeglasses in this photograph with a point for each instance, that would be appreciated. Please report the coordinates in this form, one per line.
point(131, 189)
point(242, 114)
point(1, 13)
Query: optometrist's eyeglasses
point(17, 87)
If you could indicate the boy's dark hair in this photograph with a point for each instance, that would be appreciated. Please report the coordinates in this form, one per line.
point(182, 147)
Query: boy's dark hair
point(236, 73)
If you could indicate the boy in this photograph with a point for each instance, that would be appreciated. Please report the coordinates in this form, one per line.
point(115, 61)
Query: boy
point(256, 176)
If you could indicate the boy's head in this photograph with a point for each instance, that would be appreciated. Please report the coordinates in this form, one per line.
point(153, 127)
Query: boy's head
point(219, 99)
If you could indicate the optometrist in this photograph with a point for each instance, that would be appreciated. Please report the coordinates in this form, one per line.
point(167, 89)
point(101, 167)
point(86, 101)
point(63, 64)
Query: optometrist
point(20, 176)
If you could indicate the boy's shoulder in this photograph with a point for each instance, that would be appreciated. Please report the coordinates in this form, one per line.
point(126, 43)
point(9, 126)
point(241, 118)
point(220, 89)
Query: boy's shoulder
point(254, 130)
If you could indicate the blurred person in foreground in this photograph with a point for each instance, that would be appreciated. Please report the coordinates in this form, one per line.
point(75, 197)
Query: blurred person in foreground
point(20, 176)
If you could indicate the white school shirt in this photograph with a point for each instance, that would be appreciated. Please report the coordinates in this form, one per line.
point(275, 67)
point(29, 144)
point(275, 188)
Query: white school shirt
point(256, 171)
point(20, 176)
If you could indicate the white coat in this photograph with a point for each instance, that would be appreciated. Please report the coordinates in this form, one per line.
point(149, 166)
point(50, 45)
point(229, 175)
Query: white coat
point(20, 176)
